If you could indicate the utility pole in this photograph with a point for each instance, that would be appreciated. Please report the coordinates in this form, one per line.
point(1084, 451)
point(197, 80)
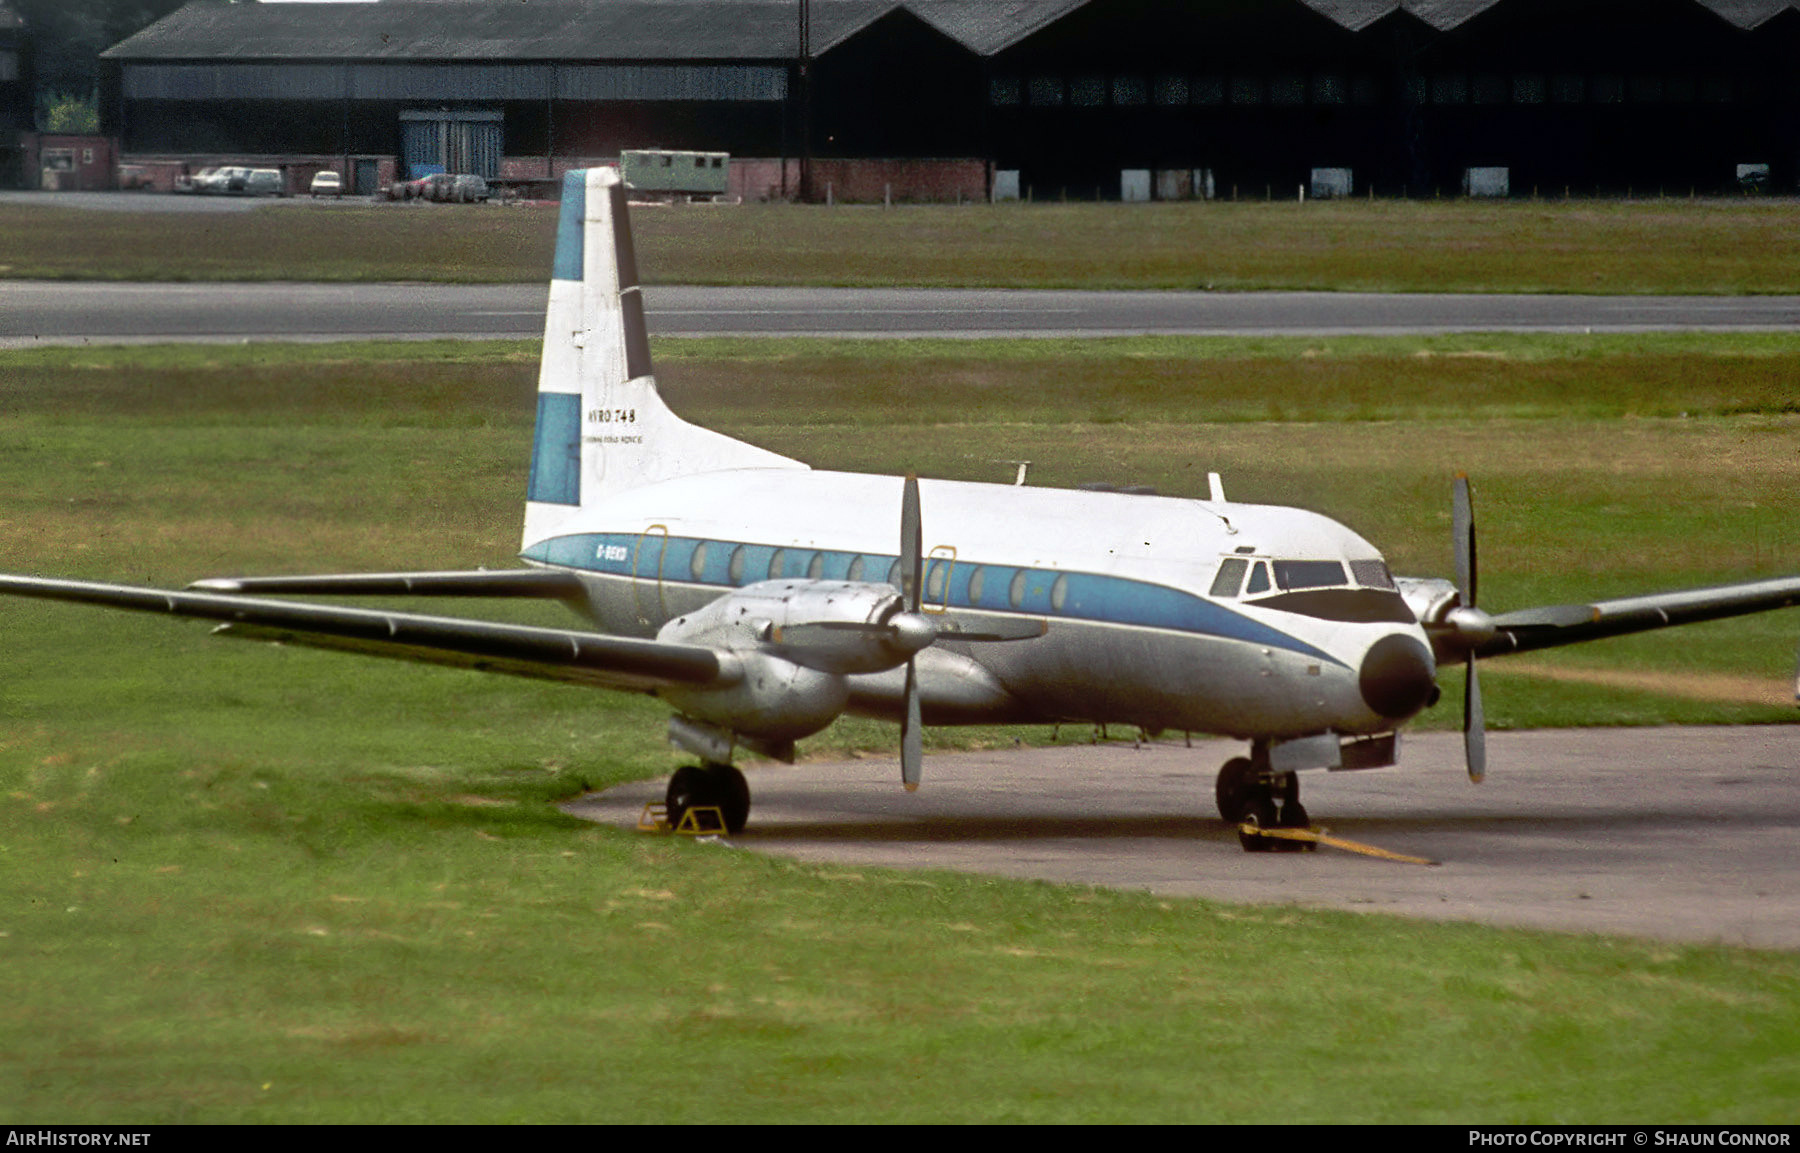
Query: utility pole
point(805, 78)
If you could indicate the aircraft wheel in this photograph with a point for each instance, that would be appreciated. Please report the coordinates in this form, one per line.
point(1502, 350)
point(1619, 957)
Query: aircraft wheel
point(1258, 814)
point(1237, 785)
point(1294, 816)
point(689, 786)
point(731, 792)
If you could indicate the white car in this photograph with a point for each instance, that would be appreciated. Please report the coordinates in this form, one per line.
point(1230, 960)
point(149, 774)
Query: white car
point(327, 184)
point(265, 182)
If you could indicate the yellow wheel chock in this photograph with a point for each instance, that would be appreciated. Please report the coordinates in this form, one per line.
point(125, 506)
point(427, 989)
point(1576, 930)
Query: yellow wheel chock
point(1324, 837)
point(698, 821)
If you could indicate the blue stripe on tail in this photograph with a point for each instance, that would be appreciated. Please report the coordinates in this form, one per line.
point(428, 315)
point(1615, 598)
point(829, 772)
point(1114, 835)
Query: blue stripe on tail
point(556, 453)
point(570, 233)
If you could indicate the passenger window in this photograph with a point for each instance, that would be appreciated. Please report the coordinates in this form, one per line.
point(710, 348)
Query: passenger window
point(977, 579)
point(1059, 592)
point(856, 569)
point(816, 567)
point(934, 581)
point(697, 566)
point(1259, 580)
point(736, 568)
point(1015, 595)
point(776, 561)
point(1230, 578)
point(893, 576)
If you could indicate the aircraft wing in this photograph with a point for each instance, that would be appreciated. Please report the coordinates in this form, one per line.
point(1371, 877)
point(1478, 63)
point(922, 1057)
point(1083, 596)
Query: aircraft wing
point(520, 650)
point(549, 583)
point(1553, 625)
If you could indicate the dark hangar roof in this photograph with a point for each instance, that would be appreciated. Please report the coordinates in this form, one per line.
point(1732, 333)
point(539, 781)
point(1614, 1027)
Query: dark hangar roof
point(485, 30)
point(666, 29)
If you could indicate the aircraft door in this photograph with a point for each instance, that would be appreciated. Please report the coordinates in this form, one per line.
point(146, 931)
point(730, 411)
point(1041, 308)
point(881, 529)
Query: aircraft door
point(647, 576)
point(940, 565)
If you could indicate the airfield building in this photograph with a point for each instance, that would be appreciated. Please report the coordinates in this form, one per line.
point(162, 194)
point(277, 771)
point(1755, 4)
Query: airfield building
point(1077, 98)
point(15, 95)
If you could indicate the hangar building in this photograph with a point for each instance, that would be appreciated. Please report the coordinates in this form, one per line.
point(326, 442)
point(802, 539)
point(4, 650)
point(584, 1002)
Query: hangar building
point(15, 95)
point(1065, 97)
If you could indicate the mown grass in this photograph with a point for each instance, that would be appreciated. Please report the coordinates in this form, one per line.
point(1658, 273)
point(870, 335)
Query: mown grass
point(246, 883)
point(1642, 246)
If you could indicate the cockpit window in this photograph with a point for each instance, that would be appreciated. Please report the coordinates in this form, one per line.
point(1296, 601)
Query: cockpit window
point(1293, 575)
point(1372, 574)
point(1259, 580)
point(1230, 578)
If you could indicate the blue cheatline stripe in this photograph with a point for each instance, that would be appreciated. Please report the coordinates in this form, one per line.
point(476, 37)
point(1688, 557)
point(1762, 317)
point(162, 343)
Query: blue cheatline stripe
point(569, 228)
point(1085, 596)
point(556, 451)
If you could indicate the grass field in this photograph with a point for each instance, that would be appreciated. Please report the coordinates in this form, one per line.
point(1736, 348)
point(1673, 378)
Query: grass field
point(1640, 246)
point(244, 883)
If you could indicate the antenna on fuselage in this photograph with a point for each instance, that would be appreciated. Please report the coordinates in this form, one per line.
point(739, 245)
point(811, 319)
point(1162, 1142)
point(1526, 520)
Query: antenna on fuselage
point(1215, 488)
point(1018, 480)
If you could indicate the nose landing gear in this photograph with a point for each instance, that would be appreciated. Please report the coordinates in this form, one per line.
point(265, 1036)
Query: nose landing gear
point(1254, 798)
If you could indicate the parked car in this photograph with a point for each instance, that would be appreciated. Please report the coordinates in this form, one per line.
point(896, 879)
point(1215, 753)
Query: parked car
point(192, 182)
point(444, 188)
point(326, 184)
point(265, 182)
point(468, 189)
point(223, 179)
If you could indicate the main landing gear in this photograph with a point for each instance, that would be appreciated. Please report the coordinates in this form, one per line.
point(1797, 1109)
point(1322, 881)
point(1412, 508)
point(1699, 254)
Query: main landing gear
point(1255, 798)
point(709, 785)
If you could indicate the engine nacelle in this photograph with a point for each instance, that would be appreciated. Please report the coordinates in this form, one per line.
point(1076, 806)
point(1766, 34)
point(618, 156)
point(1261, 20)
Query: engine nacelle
point(1430, 598)
point(845, 625)
point(786, 691)
point(773, 699)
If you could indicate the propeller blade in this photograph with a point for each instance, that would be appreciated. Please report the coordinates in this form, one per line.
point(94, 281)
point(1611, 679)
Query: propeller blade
point(1462, 532)
point(1474, 726)
point(912, 734)
point(912, 545)
point(1475, 625)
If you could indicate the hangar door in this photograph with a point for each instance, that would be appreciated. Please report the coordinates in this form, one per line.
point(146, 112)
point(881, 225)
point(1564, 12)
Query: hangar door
point(451, 142)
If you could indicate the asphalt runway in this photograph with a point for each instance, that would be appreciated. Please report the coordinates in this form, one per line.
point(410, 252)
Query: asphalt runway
point(1688, 834)
point(34, 313)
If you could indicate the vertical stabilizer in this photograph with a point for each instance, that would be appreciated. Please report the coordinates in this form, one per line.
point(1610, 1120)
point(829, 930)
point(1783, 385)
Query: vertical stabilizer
point(602, 428)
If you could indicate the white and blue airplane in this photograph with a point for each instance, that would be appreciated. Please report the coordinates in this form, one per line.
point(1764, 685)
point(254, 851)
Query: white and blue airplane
point(761, 599)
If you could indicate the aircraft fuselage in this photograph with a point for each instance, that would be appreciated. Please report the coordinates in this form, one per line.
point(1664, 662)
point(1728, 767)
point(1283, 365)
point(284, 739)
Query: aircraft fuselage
point(1142, 627)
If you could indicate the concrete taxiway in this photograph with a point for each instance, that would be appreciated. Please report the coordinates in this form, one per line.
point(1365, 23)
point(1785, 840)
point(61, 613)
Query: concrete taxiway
point(36, 313)
point(1689, 834)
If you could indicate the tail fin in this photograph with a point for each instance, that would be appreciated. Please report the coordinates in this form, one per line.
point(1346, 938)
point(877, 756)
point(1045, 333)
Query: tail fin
point(602, 428)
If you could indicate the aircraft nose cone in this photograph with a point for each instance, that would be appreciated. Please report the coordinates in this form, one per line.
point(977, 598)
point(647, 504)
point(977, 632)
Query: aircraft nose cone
point(1398, 677)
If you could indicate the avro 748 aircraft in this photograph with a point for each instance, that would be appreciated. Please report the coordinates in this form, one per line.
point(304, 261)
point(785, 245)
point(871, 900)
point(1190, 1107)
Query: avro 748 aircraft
point(761, 599)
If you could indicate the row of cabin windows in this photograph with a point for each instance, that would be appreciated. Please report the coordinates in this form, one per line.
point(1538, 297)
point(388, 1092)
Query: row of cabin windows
point(785, 563)
point(1237, 575)
point(1096, 90)
point(1296, 576)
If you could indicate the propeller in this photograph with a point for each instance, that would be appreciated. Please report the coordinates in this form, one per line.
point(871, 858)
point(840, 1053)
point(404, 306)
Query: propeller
point(912, 547)
point(1471, 626)
point(842, 646)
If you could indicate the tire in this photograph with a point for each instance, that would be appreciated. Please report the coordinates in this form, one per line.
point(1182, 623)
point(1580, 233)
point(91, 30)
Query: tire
point(731, 793)
point(688, 787)
point(1260, 813)
point(1237, 781)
